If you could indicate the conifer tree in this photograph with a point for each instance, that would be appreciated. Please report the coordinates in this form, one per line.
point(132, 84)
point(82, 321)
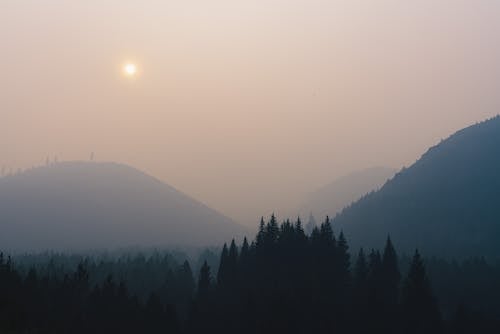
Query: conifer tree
point(222, 272)
point(326, 233)
point(272, 231)
point(342, 272)
point(391, 276)
point(232, 264)
point(204, 282)
point(375, 265)
point(261, 234)
point(300, 235)
point(186, 277)
point(298, 226)
point(361, 270)
point(420, 310)
point(362, 307)
point(245, 251)
point(315, 236)
point(343, 254)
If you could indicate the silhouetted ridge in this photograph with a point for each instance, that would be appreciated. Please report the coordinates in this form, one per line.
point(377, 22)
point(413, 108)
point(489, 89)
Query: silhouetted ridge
point(102, 205)
point(333, 197)
point(446, 203)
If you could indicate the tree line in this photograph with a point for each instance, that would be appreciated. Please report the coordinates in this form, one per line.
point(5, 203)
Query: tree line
point(288, 282)
point(284, 281)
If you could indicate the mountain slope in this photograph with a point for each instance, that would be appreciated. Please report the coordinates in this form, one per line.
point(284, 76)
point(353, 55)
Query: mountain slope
point(447, 203)
point(332, 198)
point(82, 205)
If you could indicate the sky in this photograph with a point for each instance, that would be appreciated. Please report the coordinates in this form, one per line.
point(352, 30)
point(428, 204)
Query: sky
point(244, 105)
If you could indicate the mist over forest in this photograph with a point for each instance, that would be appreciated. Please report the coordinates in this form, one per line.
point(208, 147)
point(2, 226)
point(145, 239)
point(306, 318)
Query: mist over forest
point(100, 247)
point(235, 166)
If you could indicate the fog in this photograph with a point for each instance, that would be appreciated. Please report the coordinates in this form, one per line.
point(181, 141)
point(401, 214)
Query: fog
point(244, 105)
point(86, 206)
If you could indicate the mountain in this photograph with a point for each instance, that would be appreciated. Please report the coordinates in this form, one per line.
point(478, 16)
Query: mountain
point(88, 205)
point(447, 203)
point(332, 198)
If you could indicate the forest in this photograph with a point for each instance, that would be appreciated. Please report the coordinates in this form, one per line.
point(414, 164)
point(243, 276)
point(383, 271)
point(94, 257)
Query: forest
point(283, 281)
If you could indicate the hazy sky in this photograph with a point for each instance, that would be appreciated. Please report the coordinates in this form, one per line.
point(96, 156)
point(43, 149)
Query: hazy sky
point(245, 105)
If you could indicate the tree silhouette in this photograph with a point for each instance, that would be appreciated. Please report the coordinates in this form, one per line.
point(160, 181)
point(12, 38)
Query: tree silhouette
point(287, 283)
point(420, 311)
point(204, 282)
point(223, 267)
point(390, 274)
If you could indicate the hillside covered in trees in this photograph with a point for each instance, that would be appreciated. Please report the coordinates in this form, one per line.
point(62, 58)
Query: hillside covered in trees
point(446, 203)
point(284, 281)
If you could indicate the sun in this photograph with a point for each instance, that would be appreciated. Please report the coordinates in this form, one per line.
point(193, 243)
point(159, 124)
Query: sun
point(130, 69)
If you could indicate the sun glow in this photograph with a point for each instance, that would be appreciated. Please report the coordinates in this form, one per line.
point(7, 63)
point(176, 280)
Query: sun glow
point(130, 69)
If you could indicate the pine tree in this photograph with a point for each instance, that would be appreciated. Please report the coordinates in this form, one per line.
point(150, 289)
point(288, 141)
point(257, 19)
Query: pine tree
point(375, 319)
point(343, 254)
point(204, 282)
point(272, 231)
point(361, 270)
point(390, 274)
point(375, 265)
point(261, 234)
point(326, 233)
point(223, 267)
point(390, 278)
point(232, 264)
point(361, 300)
point(81, 277)
point(187, 279)
point(245, 251)
point(420, 310)
point(343, 264)
point(315, 236)
point(298, 226)
point(300, 236)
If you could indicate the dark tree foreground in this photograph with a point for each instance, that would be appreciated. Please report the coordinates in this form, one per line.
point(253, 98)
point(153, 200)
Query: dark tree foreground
point(289, 282)
point(285, 281)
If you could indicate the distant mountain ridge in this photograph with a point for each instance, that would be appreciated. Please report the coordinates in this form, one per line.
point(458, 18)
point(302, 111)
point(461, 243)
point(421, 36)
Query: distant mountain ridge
point(90, 205)
point(447, 203)
point(333, 197)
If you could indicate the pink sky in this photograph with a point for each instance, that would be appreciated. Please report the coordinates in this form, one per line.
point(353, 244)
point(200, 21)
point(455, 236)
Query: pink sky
point(245, 105)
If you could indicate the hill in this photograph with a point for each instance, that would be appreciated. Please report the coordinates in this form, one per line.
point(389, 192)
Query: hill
point(333, 197)
point(447, 203)
point(87, 205)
